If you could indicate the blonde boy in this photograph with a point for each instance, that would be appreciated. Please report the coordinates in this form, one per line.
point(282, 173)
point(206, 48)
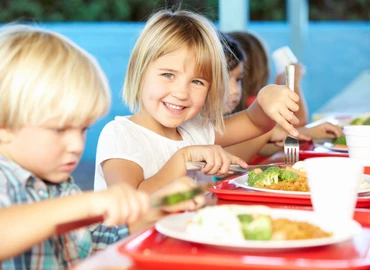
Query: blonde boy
point(51, 91)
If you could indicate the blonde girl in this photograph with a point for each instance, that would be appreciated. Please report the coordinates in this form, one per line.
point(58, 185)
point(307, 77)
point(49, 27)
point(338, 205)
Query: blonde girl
point(175, 85)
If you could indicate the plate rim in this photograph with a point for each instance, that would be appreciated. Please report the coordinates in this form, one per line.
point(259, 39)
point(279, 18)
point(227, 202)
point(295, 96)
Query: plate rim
point(286, 192)
point(258, 245)
point(330, 146)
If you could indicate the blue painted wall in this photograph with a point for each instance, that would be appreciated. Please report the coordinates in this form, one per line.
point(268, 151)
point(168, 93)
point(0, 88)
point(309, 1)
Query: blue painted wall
point(334, 54)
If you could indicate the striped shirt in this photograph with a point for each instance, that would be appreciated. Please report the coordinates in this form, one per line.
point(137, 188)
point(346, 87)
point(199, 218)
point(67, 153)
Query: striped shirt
point(18, 186)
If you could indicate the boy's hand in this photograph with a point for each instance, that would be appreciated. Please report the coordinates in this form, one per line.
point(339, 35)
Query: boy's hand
point(279, 103)
point(153, 215)
point(119, 204)
point(217, 159)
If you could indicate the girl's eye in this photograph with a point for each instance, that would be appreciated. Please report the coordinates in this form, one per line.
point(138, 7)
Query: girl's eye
point(168, 75)
point(197, 82)
point(239, 80)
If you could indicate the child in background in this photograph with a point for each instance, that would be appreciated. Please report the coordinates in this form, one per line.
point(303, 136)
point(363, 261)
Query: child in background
point(176, 80)
point(258, 73)
point(237, 60)
point(51, 91)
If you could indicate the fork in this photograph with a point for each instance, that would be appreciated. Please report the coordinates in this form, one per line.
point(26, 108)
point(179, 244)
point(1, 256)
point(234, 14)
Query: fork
point(291, 144)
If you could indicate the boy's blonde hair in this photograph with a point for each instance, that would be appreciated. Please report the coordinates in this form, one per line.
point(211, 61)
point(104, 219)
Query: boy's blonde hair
point(167, 31)
point(44, 75)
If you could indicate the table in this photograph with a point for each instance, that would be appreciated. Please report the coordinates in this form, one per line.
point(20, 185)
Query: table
point(110, 258)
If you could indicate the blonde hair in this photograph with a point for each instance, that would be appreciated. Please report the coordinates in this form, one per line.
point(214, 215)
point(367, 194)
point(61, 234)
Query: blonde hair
point(167, 31)
point(44, 75)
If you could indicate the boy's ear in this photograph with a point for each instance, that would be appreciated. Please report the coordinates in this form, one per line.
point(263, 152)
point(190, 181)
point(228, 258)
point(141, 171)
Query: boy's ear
point(6, 135)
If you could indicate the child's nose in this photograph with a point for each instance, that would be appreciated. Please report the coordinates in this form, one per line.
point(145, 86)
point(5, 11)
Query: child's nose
point(76, 143)
point(180, 91)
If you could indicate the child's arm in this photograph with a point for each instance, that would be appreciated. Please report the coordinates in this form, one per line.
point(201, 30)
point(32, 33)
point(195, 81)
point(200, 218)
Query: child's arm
point(274, 104)
point(248, 149)
point(122, 170)
point(23, 226)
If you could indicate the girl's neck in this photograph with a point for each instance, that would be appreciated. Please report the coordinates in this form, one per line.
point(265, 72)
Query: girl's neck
point(151, 124)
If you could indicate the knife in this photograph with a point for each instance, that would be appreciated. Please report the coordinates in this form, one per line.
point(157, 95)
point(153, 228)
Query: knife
point(155, 202)
point(198, 165)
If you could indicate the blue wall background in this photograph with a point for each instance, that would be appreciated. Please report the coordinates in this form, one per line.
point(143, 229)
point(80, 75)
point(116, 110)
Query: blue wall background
point(334, 54)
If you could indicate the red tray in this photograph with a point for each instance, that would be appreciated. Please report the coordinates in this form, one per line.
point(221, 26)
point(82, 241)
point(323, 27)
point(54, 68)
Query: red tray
point(309, 150)
point(152, 250)
point(303, 154)
point(228, 191)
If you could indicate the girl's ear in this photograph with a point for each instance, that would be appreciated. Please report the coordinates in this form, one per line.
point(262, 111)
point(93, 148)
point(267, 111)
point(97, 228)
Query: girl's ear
point(6, 135)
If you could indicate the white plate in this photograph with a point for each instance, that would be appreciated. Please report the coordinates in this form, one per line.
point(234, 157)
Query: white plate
point(242, 181)
point(175, 226)
point(331, 146)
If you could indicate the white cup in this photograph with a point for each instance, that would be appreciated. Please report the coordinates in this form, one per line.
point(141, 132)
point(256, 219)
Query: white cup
point(283, 57)
point(334, 183)
point(358, 143)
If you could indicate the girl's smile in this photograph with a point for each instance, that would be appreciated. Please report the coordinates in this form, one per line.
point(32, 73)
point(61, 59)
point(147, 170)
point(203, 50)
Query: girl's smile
point(173, 92)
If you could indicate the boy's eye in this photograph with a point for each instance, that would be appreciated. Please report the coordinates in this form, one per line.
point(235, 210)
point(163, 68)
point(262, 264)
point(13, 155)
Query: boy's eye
point(60, 130)
point(168, 75)
point(85, 129)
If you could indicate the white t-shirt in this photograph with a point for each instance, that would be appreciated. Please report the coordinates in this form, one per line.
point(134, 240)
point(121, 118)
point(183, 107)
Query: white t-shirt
point(121, 138)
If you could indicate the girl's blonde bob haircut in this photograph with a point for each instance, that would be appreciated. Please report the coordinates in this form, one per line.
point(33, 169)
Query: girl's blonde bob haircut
point(167, 31)
point(43, 75)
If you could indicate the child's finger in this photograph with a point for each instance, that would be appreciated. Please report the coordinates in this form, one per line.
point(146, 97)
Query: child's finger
point(238, 161)
point(286, 125)
point(290, 117)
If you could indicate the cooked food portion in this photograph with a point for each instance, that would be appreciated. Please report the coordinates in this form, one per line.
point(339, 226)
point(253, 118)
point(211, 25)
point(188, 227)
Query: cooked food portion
point(235, 223)
point(279, 178)
point(341, 140)
point(286, 178)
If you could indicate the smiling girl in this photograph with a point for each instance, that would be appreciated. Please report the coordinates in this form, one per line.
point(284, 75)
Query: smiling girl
point(175, 83)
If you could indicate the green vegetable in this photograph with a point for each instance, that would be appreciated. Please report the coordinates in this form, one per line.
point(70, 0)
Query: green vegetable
point(288, 176)
point(245, 218)
point(251, 178)
point(367, 122)
point(259, 229)
point(180, 197)
point(357, 121)
point(340, 140)
point(267, 177)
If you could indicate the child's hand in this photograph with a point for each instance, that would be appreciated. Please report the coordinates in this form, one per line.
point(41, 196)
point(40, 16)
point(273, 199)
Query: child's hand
point(279, 134)
point(119, 204)
point(324, 130)
point(217, 159)
point(153, 215)
point(279, 102)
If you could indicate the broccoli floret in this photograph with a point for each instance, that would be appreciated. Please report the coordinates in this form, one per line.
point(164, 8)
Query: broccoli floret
point(251, 178)
point(268, 176)
point(340, 140)
point(245, 218)
point(288, 176)
point(259, 229)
